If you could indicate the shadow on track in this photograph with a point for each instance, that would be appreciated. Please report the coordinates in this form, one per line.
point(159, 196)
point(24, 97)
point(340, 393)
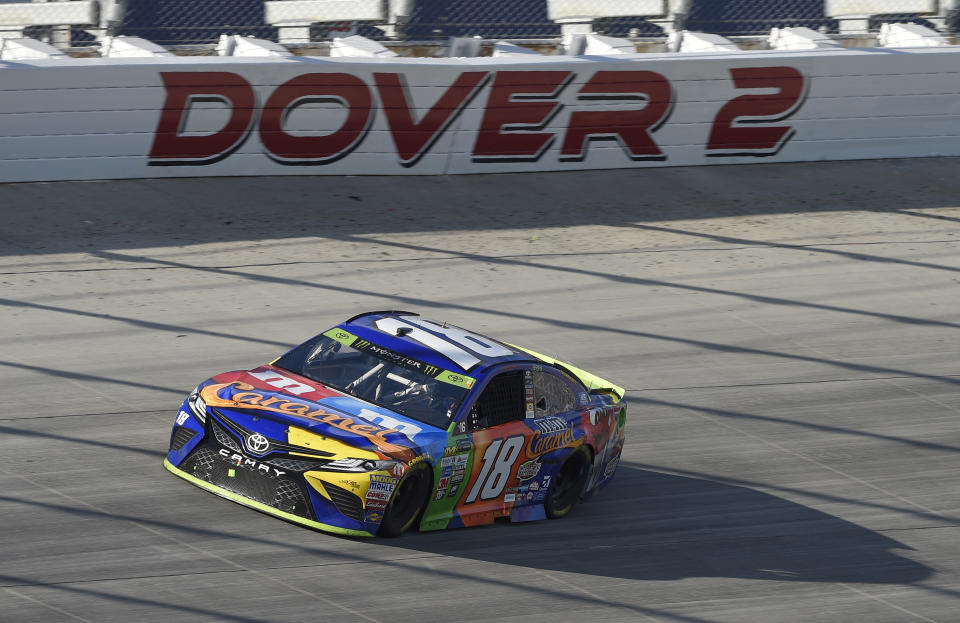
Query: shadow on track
point(649, 525)
point(67, 217)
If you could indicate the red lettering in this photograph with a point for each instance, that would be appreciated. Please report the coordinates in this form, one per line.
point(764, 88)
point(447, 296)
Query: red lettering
point(631, 128)
point(414, 139)
point(736, 131)
point(349, 91)
point(520, 104)
point(184, 88)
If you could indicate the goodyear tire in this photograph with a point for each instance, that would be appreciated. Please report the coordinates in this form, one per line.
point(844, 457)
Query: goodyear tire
point(567, 486)
point(407, 502)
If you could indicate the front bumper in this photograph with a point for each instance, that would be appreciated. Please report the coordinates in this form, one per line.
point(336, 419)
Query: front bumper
point(284, 483)
point(260, 506)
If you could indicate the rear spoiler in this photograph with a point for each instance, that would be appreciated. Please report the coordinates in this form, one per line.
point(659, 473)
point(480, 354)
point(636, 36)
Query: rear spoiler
point(592, 382)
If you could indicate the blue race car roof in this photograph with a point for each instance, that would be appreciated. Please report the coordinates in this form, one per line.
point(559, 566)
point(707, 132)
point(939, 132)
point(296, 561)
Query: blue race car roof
point(436, 343)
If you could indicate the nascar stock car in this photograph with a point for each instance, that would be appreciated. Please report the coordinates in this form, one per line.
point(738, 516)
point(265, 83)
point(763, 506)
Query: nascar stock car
point(389, 421)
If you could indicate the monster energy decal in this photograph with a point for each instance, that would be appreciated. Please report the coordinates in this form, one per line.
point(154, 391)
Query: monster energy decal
point(392, 356)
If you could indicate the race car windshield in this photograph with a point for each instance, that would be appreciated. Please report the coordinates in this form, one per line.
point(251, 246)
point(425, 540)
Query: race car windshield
point(378, 375)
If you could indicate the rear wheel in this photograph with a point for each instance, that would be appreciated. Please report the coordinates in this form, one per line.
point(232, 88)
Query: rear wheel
point(406, 504)
point(567, 486)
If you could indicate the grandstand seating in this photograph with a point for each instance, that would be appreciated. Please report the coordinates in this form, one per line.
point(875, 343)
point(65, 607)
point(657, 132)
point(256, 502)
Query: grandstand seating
point(169, 22)
point(293, 18)
point(16, 17)
point(577, 16)
point(854, 15)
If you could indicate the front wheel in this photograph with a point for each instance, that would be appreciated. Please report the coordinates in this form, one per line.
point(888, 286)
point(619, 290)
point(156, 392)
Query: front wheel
point(567, 486)
point(406, 504)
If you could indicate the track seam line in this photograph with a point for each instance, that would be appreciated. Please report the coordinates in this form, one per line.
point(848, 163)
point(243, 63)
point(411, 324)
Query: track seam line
point(782, 383)
point(182, 543)
point(802, 456)
point(885, 602)
point(46, 605)
point(921, 396)
point(590, 594)
point(446, 257)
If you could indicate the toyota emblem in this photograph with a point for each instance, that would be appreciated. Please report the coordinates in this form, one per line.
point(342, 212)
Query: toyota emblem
point(257, 443)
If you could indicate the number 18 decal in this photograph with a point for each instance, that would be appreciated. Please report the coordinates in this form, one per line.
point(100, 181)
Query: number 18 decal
point(498, 462)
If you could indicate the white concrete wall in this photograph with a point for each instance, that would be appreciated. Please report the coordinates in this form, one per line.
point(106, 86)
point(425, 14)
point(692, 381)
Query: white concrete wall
point(105, 118)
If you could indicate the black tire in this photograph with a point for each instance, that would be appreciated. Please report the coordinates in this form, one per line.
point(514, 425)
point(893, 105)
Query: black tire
point(407, 502)
point(567, 486)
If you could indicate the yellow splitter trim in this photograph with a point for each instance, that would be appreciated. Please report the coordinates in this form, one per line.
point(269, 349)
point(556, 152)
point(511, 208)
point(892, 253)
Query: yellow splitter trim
point(239, 499)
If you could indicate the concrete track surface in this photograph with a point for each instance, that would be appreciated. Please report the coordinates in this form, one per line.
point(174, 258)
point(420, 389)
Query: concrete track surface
point(789, 336)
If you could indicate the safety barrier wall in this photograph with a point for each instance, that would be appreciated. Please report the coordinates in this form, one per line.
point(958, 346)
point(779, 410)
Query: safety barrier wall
point(76, 119)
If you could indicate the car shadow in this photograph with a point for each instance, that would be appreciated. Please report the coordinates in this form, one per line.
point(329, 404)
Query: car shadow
point(648, 525)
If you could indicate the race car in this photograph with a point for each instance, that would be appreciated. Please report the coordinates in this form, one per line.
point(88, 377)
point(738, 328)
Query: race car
point(390, 421)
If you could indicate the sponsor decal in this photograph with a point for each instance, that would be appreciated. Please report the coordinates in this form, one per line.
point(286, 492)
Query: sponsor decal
point(398, 470)
point(280, 381)
point(383, 478)
point(446, 461)
point(376, 504)
point(611, 467)
point(463, 444)
point(541, 443)
point(529, 470)
point(510, 497)
point(461, 459)
point(446, 471)
point(379, 495)
point(386, 420)
point(374, 516)
point(245, 398)
point(353, 484)
point(256, 466)
point(385, 487)
point(584, 399)
point(551, 424)
point(534, 486)
point(530, 496)
point(182, 417)
point(443, 483)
